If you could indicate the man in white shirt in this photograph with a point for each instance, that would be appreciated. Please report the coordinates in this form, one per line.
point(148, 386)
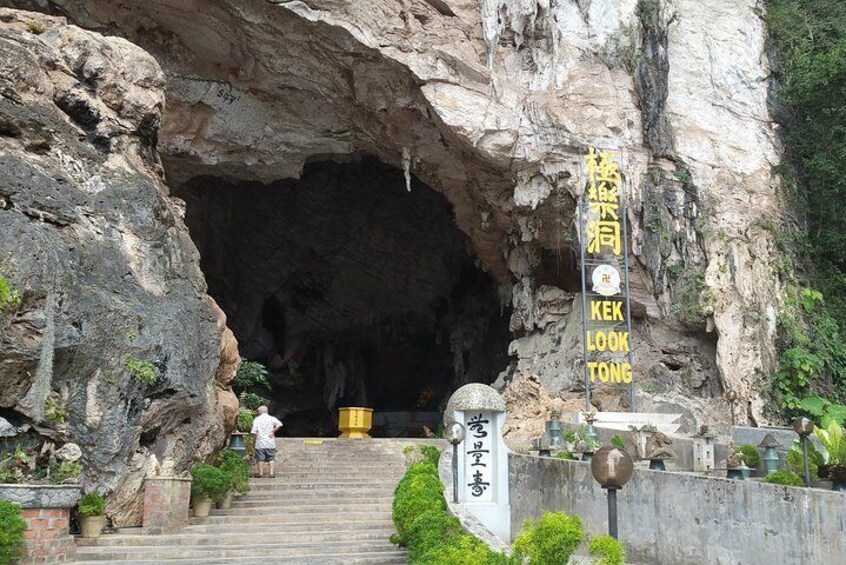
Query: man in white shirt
point(265, 427)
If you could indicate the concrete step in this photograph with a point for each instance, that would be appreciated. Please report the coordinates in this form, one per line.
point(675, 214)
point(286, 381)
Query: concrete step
point(307, 525)
point(275, 494)
point(245, 551)
point(328, 516)
point(276, 502)
point(281, 508)
point(315, 558)
point(240, 538)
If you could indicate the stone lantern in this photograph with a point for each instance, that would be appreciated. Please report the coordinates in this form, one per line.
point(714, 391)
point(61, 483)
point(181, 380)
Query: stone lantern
point(703, 451)
point(769, 444)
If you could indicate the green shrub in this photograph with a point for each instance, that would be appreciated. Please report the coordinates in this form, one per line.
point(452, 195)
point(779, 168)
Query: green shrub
point(209, 482)
point(12, 528)
point(252, 400)
point(424, 527)
point(92, 504)
point(236, 468)
point(618, 442)
point(751, 455)
point(605, 550)
point(251, 375)
point(9, 298)
point(142, 371)
point(784, 477)
point(566, 455)
point(431, 453)
point(66, 471)
point(244, 420)
point(551, 540)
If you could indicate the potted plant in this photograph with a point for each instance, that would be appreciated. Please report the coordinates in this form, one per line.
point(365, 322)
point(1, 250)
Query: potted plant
point(209, 484)
point(833, 441)
point(92, 515)
point(238, 472)
point(243, 426)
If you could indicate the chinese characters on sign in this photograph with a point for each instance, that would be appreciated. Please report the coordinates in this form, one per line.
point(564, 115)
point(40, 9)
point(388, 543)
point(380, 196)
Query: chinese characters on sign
point(478, 461)
point(607, 323)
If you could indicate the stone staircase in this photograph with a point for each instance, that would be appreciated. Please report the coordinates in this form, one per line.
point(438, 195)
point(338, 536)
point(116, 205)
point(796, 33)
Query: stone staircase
point(330, 503)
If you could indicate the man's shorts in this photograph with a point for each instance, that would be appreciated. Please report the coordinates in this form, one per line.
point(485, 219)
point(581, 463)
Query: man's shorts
point(265, 455)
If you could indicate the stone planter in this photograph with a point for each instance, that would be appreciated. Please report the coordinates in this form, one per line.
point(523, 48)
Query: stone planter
point(91, 526)
point(167, 500)
point(202, 507)
point(46, 510)
point(355, 422)
point(226, 502)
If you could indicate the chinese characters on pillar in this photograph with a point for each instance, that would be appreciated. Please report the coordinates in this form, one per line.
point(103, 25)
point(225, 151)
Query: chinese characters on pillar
point(607, 325)
point(478, 463)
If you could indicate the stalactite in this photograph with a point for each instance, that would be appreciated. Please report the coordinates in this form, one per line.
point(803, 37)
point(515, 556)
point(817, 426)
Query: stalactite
point(406, 167)
point(40, 389)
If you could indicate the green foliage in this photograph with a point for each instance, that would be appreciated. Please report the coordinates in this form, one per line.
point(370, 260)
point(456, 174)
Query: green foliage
point(12, 528)
point(605, 550)
point(244, 420)
point(236, 468)
point(618, 442)
point(798, 368)
point(794, 459)
point(424, 527)
point(55, 412)
point(551, 540)
point(810, 37)
point(66, 471)
point(784, 477)
point(142, 371)
point(252, 400)
point(751, 455)
point(431, 453)
point(9, 297)
point(209, 482)
point(833, 441)
point(251, 375)
point(823, 411)
point(570, 436)
point(566, 455)
point(693, 298)
point(92, 504)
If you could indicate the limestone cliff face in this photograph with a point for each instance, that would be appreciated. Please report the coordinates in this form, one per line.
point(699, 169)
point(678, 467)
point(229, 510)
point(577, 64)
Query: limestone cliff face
point(494, 103)
point(109, 278)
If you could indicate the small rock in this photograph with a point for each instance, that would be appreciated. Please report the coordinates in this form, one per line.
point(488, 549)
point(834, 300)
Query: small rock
point(69, 452)
point(7, 429)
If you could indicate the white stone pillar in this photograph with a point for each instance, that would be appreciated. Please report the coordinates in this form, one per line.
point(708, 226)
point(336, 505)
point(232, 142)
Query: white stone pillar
point(482, 456)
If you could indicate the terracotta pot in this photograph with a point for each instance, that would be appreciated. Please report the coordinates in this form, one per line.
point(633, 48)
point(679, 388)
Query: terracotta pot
point(202, 507)
point(226, 502)
point(91, 526)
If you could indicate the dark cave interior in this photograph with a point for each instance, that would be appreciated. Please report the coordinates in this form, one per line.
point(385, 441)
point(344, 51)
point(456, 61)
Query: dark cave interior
point(352, 291)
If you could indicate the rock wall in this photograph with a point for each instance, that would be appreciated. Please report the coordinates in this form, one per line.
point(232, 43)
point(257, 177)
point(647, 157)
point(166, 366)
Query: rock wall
point(109, 279)
point(494, 103)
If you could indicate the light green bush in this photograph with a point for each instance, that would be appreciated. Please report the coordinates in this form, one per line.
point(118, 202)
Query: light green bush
point(12, 528)
point(784, 477)
point(551, 540)
point(605, 550)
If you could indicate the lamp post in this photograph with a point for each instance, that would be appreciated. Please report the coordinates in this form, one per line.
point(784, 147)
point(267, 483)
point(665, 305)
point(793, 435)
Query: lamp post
point(612, 468)
point(454, 434)
point(804, 427)
point(731, 398)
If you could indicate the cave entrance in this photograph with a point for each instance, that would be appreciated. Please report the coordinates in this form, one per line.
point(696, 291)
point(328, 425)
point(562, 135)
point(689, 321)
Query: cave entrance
point(352, 290)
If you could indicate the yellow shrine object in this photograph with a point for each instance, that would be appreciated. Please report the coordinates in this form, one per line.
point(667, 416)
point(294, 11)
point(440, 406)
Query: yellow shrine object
point(355, 422)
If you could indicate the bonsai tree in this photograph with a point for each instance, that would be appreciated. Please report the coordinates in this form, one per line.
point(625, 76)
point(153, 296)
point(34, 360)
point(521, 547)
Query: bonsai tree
point(92, 515)
point(12, 528)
